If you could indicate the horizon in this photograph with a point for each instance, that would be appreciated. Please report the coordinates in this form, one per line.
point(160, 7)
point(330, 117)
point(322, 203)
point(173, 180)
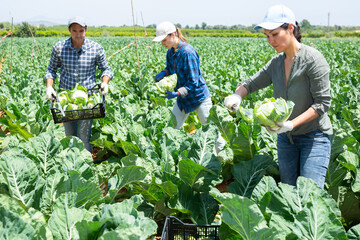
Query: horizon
point(212, 12)
point(48, 23)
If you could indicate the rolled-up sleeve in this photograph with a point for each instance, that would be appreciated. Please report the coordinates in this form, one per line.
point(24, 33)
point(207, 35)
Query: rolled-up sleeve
point(191, 71)
point(54, 64)
point(103, 64)
point(318, 73)
point(167, 69)
point(259, 80)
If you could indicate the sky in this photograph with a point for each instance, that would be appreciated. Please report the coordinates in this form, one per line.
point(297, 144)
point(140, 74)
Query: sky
point(185, 12)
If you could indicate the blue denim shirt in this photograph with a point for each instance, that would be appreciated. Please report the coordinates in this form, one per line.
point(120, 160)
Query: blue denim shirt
point(185, 62)
point(77, 65)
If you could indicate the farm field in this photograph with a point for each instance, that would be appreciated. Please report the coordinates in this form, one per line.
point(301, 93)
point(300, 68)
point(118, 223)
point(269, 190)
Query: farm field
point(142, 170)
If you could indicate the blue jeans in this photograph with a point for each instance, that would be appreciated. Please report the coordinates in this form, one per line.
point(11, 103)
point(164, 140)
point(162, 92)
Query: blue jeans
point(309, 157)
point(80, 129)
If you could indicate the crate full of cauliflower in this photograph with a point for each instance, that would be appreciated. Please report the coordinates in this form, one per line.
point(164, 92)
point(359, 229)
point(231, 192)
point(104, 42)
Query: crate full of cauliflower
point(78, 104)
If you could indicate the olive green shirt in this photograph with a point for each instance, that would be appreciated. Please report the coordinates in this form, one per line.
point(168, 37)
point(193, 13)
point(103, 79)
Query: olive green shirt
point(308, 86)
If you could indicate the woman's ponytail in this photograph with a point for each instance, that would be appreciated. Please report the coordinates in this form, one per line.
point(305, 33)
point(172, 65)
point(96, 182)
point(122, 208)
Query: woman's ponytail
point(296, 32)
point(179, 34)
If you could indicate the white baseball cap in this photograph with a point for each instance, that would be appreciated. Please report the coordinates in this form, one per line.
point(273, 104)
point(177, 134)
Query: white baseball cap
point(162, 30)
point(78, 20)
point(275, 17)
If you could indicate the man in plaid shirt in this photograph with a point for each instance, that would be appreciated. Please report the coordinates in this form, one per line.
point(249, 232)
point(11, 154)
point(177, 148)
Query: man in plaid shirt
point(77, 58)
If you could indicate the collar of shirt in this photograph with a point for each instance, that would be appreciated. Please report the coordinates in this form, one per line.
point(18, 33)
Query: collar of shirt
point(180, 46)
point(85, 46)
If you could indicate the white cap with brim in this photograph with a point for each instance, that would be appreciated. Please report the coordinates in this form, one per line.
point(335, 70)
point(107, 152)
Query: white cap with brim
point(78, 20)
point(275, 17)
point(162, 30)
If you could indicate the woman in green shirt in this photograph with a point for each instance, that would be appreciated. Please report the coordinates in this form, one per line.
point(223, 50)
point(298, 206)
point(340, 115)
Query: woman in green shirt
point(301, 74)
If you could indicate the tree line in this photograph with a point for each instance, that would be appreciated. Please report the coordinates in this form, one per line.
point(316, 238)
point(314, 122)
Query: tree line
point(203, 30)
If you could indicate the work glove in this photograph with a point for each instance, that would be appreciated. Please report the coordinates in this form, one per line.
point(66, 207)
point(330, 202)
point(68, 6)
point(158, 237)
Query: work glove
point(104, 87)
point(171, 95)
point(284, 127)
point(50, 92)
point(232, 102)
point(160, 76)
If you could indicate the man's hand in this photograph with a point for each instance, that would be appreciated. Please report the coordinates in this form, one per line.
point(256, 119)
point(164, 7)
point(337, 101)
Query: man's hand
point(160, 76)
point(50, 92)
point(171, 95)
point(284, 127)
point(104, 87)
point(232, 102)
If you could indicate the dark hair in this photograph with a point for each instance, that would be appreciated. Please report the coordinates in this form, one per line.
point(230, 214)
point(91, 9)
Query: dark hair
point(297, 33)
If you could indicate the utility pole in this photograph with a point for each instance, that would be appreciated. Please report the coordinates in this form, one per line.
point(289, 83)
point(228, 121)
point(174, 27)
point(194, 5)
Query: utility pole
point(136, 43)
point(12, 34)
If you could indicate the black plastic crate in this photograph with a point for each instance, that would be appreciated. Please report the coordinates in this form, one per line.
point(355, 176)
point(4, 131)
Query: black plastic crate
point(98, 111)
point(175, 229)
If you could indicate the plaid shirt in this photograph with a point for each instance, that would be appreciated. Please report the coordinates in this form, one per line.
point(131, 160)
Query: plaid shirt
point(77, 66)
point(185, 62)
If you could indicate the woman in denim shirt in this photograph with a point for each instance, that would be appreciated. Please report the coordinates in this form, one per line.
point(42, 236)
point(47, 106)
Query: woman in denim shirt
point(191, 90)
point(299, 74)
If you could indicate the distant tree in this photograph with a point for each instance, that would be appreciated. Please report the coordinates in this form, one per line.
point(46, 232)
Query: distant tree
point(151, 26)
point(338, 28)
point(220, 27)
point(305, 24)
point(178, 25)
point(187, 27)
point(42, 27)
point(203, 25)
point(24, 30)
point(197, 26)
point(5, 26)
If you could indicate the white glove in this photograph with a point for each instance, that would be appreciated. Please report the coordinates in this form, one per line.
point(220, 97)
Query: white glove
point(232, 102)
point(104, 87)
point(284, 127)
point(50, 92)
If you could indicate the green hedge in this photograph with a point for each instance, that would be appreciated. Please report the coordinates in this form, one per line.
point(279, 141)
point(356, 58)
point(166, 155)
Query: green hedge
point(347, 34)
point(314, 34)
point(151, 32)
